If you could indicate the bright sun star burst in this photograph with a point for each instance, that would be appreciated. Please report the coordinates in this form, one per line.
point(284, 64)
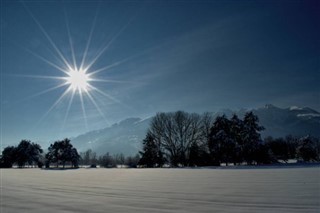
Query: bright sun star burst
point(78, 76)
point(78, 80)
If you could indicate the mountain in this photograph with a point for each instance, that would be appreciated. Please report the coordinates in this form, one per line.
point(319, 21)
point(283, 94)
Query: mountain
point(293, 120)
point(126, 136)
point(123, 137)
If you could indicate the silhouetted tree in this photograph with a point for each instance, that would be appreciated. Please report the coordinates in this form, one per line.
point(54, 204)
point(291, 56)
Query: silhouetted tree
point(221, 143)
point(309, 149)
point(264, 154)
point(292, 143)
point(27, 152)
point(132, 161)
point(8, 157)
point(40, 164)
point(151, 155)
point(279, 148)
point(107, 161)
point(74, 158)
point(120, 159)
point(237, 131)
point(175, 133)
point(251, 137)
point(193, 140)
point(199, 155)
point(22, 155)
point(62, 152)
point(207, 120)
point(88, 157)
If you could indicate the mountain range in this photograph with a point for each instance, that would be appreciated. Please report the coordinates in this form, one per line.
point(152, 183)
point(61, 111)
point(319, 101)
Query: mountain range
point(126, 136)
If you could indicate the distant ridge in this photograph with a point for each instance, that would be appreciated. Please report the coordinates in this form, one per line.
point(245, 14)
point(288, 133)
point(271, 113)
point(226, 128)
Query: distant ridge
point(126, 136)
point(292, 120)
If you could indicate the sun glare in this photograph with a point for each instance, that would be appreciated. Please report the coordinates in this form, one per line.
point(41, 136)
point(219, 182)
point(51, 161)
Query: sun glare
point(78, 80)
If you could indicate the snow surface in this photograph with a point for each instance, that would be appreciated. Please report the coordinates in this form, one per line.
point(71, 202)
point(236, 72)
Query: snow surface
point(161, 190)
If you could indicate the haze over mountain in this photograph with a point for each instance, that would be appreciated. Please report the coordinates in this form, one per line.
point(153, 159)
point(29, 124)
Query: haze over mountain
point(126, 136)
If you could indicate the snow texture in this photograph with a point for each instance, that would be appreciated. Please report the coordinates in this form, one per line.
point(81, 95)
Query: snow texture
point(161, 190)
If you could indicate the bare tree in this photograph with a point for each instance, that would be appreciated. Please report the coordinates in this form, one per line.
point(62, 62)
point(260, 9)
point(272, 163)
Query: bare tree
point(175, 132)
point(88, 157)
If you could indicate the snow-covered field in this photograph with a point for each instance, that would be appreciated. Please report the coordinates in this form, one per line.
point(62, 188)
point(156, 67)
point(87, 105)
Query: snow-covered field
point(161, 190)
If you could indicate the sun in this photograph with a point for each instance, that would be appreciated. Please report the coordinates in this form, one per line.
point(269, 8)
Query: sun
point(78, 77)
point(78, 80)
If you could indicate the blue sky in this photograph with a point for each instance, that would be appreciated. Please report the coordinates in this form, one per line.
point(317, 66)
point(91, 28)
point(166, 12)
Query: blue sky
point(163, 56)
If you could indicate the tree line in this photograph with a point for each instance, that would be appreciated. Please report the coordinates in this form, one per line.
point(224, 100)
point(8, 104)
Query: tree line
point(178, 139)
point(189, 139)
point(25, 153)
point(60, 154)
point(28, 153)
point(90, 158)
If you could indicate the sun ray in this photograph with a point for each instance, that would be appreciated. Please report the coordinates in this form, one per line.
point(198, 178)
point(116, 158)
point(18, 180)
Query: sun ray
point(38, 56)
point(109, 97)
point(83, 111)
point(47, 61)
point(46, 91)
point(104, 94)
point(109, 81)
point(109, 66)
point(89, 39)
point(46, 35)
point(70, 38)
point(108, 44)
point(40, 93)
point(37, 76)
point(113, 39)
point(97, 107)
point(54, 105)
point(67, 111)
point(78, 76)
point(118, 63)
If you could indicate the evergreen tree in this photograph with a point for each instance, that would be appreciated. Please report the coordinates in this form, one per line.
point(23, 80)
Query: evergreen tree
point(236, 131)
point(195, 155)
point(151, 155)
point(198, 155)
point(221, 143)
point(74, 157)
point(251, 137)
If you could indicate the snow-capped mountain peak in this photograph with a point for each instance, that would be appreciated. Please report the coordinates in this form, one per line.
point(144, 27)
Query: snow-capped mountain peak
point(293, 108)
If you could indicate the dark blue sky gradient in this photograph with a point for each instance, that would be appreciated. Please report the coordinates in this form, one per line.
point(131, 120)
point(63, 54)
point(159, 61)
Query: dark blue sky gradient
point(180, 55)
